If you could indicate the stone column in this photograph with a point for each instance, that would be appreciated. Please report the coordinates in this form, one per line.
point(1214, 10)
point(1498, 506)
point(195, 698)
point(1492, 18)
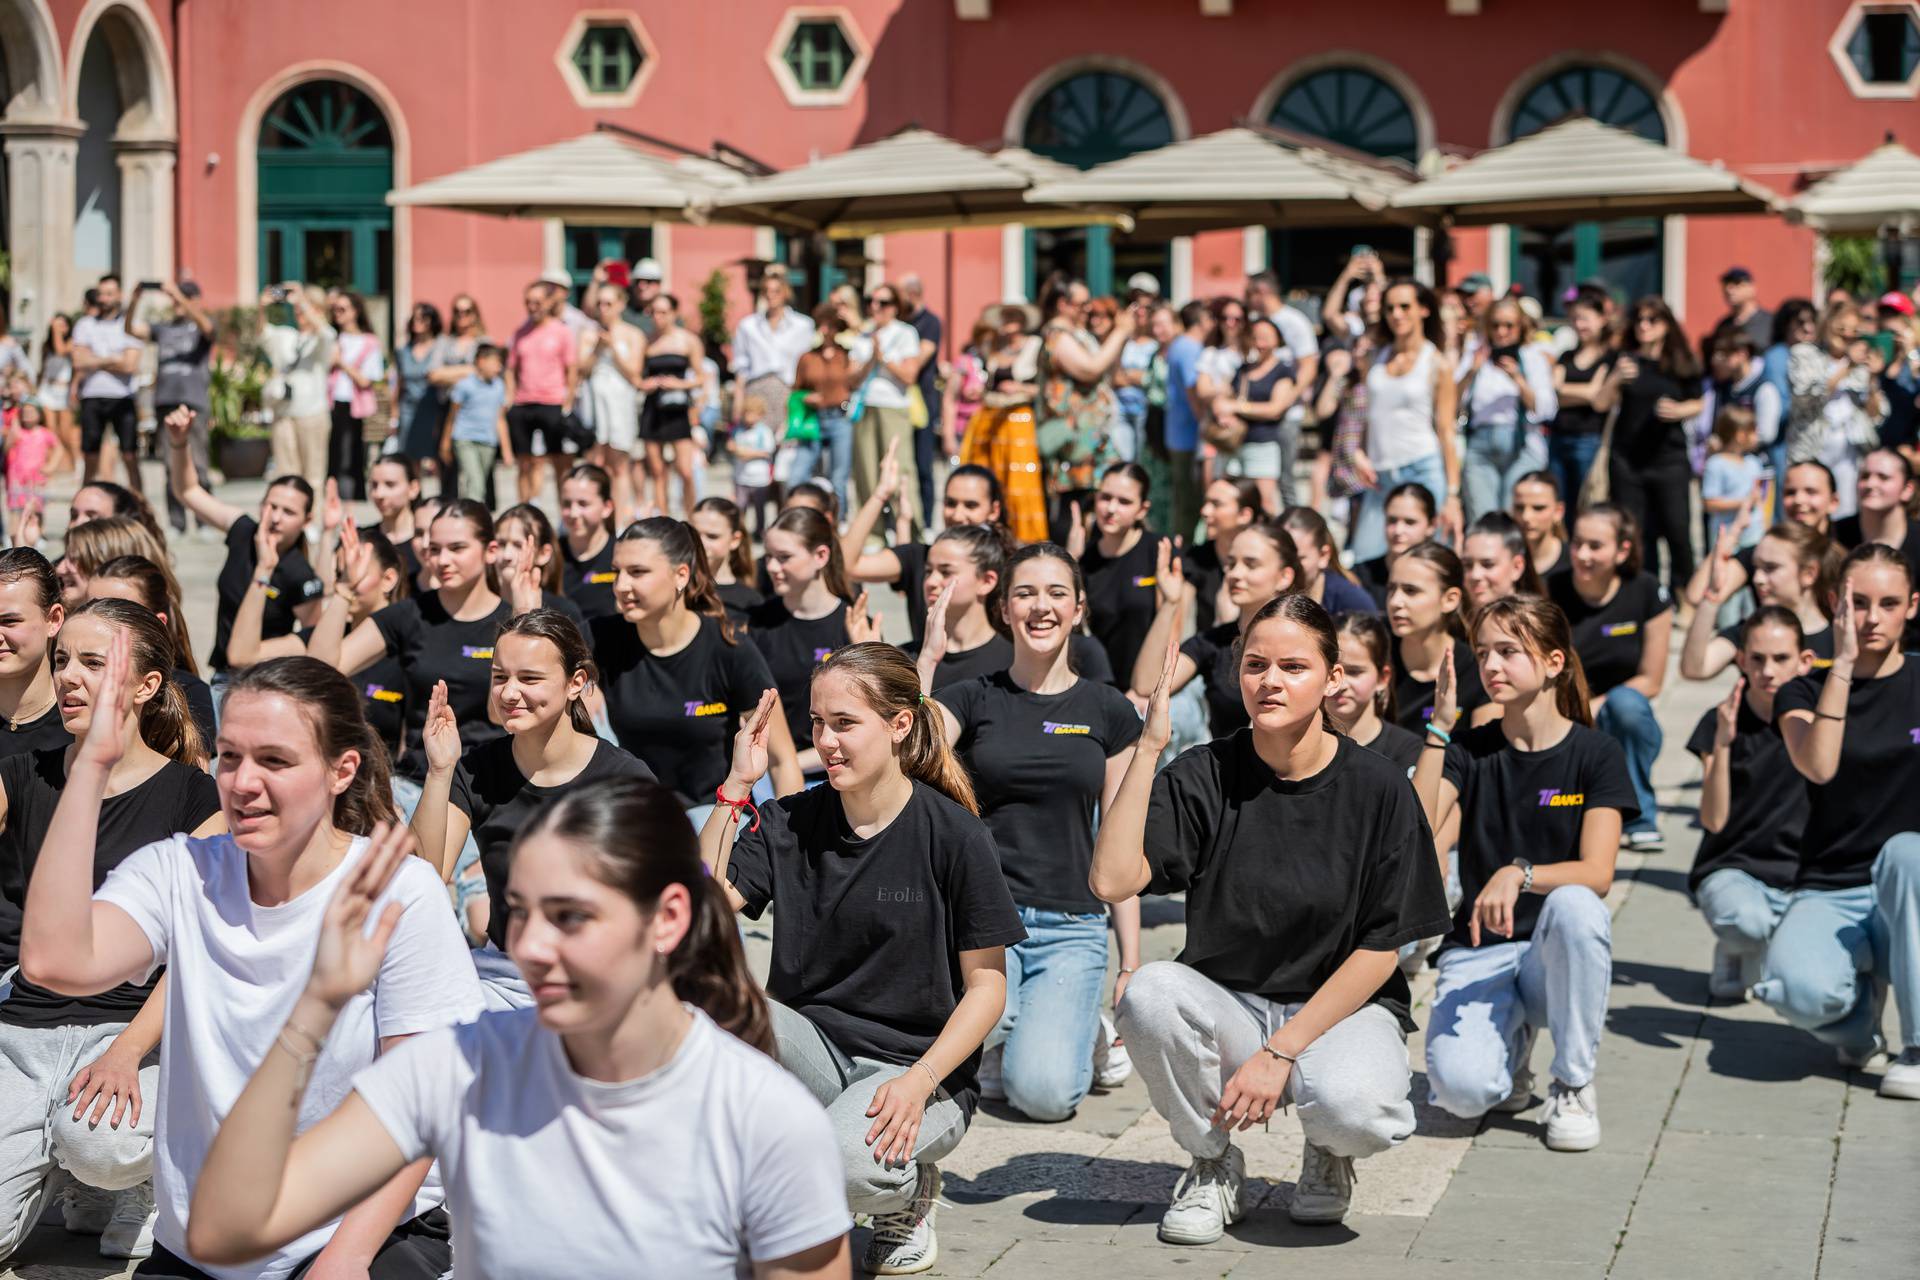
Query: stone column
point(40, 212)
point(146, 209)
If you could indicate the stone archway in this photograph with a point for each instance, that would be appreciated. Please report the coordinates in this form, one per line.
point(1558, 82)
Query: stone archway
point(39, 143)
point(120, 91)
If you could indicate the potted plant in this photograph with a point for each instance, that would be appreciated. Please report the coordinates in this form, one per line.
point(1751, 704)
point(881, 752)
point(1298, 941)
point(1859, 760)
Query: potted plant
point(242, 438)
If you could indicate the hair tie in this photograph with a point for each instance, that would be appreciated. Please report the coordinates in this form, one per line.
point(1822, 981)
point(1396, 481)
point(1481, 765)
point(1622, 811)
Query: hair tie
point(923, 699)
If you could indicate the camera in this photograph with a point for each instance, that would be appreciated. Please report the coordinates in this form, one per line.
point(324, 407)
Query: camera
point(277, 294)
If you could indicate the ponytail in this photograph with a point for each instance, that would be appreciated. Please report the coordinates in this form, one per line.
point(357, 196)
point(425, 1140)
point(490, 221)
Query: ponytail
point(166, 723)
point(891, 684)
point(1541, 628)
point(634, 837)
point(816, 533)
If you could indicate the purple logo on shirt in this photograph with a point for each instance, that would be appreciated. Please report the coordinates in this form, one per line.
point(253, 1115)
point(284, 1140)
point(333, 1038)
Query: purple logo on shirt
point(1915, 735)
point(821, 655)
point(1554, 798)
point(483, 652)
point(1055, 726)
point(706, 708)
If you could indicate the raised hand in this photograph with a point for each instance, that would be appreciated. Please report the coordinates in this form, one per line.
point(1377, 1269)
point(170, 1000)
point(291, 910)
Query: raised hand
point(750, 744)
point(106, 741)
point(863, 624)
point(441, 734)
point(332, 510)
point(1846, 634)
point(1727, 718)
point(523, 585)
point(1169, 573)
point(356, 556)
point(1076, 532)
point(266, 551)
point(934, 647)
point(178, 423)
point(1159, 727)
point(347, 958)
point(32, 527)
point(889, 482)
point(1446, 696)
point(1719, 575)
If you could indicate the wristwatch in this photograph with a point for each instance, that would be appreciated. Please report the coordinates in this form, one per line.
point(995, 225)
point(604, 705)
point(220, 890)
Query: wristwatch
point(1526, 874)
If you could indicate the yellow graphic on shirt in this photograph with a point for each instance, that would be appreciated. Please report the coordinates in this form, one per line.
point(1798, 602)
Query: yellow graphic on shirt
point(601, 579)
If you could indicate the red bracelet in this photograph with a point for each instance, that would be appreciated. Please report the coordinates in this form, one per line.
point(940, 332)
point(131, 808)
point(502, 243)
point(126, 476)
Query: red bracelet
point(720, 795)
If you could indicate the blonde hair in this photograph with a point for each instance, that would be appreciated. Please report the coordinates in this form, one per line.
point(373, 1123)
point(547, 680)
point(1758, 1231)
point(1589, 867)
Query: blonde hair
point(891, 684)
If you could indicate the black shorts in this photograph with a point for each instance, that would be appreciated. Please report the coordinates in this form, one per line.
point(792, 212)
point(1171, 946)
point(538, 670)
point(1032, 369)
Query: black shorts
point(97, 413)
point(418, 1249)
point(556, 426)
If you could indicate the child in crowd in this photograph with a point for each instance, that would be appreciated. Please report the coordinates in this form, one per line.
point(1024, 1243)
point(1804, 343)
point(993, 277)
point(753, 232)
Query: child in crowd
point(1734, 475)
point(30, 443)
point(752, 445)
point(475, 436)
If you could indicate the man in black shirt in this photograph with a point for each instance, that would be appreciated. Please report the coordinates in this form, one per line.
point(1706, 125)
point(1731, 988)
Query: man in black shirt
point(927, 325)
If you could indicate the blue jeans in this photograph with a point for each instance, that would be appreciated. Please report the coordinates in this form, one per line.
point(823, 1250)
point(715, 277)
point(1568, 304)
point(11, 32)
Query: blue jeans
point(1569, 457)
point(836, 441)
point(1368, 540)
point(1829, 940)
point(1741, 911)
point(1628, 718)
point(1498, 454)
point(1487, 1000)
point(1054, 980)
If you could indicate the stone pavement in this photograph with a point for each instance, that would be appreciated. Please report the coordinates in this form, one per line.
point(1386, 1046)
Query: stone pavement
point(1734, 1146)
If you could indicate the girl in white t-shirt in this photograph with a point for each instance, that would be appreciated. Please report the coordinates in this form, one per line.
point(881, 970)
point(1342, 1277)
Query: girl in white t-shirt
point(234, 918)
point(615, 1128)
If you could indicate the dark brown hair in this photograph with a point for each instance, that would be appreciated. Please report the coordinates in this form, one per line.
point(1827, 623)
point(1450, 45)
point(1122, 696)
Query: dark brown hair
point(24, 563)
point(540, 533)
point(337, 717)
point(680, 543)
point(1303, 611)
point(1812, 547)
point(479, 519)
point(1625, 529)
point(1282, 543)
point(1541, 627)
point(891, 684)
point(135, 505)
point(1310, 522)
point(634, 837)
point(1025, 555)
point(166, 722)
point(1875, 553)
point(740, 559)
point(558, 630)
point(1370, 629)
point(158, 592)
point(1446, 566)
point(596, 476)
point(815, 532)
point(1513, 541)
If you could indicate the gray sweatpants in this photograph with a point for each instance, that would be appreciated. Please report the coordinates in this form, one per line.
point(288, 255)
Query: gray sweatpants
point(37, 1128)
point(1188, 1035)
point(845, 1087)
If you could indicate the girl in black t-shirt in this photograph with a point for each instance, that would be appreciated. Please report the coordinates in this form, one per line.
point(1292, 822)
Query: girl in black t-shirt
point(1425, 604)
point(1324, 578)
point(1121, 566)
point(1753, 805)
point(1622, 627)
point(1228, 505)
point(1807, 498)
point(586, 547)
point(1260, 563)
point(971, 497)
point(1495, 563)
point(1793, 568)
point(1289, 986)
point(1541, 795)
point(158, 787)
point(393, 487)
point(1362, 703)
point(1537, 507)
point(889, 936)
point(30, 617)
point(529, 563)
point(966, 640)
point(541, 673)
point(806, 618)
point(678, 679)
point(1851, 732)
point(723, 532)
point(1045, 748)
point(444, 635)
point(140, 580)
point(1411, 516)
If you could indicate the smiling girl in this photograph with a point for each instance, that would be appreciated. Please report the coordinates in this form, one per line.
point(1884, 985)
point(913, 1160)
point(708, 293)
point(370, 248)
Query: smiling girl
point(1541, 795)
point(1122, 567)
point(1495, 563)
point(889, 936)
point(1289, 987)
point(1792, 567)
point(1425, 610)
point(806, 618)
point(30, 617)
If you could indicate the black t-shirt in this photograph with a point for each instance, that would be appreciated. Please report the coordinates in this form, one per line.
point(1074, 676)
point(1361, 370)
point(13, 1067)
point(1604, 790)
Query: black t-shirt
point(1204, 573)
point(561, 604)
point(293, 583)
point(740, 600)
point(1527, 804)
point(912, 585)
point(1212, 654)
point(679, 711)
point(1413, 697)
point(383, 690)
point(409, 559)
point(1039, 766)
point(431, 644)
point(498, 800)
point(1582, 419)
point(1397, 745)
point(1339, 595)
point(1871, 797)
point(1121, 600)
point(1610, 637)
point(1285, 880)
point(1846, 532)
point(793, 647)
point(41, 734)
point(1371, 575)
point(1767, 804)
point(1088, 658)
point(1563, 563)
point(867, 933)
point(589, 583)
point(199, 704)
point(176, 798)
point(1641, 441)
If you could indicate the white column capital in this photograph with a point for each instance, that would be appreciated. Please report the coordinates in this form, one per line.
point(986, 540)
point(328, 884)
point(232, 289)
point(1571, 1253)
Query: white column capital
point(146, 208)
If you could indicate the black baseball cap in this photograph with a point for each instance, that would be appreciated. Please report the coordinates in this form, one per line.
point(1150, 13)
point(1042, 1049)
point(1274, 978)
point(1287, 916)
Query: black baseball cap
point(1736, 275)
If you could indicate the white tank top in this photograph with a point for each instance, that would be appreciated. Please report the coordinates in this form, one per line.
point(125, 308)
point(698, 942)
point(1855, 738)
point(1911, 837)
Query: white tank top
point(1400, 411)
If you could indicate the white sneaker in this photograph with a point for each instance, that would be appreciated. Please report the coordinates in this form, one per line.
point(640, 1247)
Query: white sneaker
point(1324, 1192)
point(86, 1210)
point(129, 1233)
point(1573, 1118)
point(1903, 1076)
point(904, 1243)
point(1643, 842)
point(993, 1083)
point(1857, 1059)
point(1112, 1064)
point(1205, 1200)
point(1520, 1096)
point(1728, 980)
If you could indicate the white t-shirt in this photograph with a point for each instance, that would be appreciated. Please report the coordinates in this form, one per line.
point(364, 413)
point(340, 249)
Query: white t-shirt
point(236, 969)
point(898, 341)
point(1296, 330)
point(107, 339)
point(716, 1160)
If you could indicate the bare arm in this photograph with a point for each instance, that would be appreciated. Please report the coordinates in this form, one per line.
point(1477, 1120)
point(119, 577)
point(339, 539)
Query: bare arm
point(1120, 868)
point(185, 482)
point(1126, 915)
point(1653, 656)
point(355, 652)
point(1706, 653)
point(1814, 737)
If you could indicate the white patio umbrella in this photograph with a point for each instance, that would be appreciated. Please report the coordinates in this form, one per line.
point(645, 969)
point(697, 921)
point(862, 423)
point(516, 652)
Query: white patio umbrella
point(1881, 189)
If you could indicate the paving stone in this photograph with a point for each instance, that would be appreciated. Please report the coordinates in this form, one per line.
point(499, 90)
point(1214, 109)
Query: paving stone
point(1060, 1261)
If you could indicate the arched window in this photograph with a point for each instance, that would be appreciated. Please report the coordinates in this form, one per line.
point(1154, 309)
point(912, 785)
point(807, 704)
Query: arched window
point(326, 165)
point(1091, 118)
point(1352, 107)
point(1627, 253)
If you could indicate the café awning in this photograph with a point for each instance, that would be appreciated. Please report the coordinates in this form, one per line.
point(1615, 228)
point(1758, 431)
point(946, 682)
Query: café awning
point(600, 178)
point(1882, 189)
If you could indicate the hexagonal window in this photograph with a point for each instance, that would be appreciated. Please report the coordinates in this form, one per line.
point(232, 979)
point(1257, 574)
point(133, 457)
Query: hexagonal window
point(819, 55)
point(1877, 49)
point(608, 58)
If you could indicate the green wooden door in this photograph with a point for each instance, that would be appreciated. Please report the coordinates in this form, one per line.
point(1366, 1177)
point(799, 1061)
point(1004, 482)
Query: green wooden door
point(326, 165)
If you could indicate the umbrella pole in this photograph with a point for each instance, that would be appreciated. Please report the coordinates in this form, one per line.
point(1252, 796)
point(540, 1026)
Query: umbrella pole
point(1442, 254)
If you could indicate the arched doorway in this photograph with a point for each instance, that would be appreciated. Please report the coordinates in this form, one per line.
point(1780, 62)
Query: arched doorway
point(1357, 107)
point(1629, 254)
point(325, 166)
point(1092, 117)
point(36, 186)
point(121, 92)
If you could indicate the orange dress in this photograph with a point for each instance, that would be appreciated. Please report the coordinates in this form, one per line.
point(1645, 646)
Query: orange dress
point(1003, 441)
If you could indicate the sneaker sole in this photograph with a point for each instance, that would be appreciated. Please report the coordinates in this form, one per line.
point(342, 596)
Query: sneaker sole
point(1318, 1218)
point(1175, 1237)
point(1584, 1142)
point(1735, 994)
point(925, 1264)
point(1900, 1090)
